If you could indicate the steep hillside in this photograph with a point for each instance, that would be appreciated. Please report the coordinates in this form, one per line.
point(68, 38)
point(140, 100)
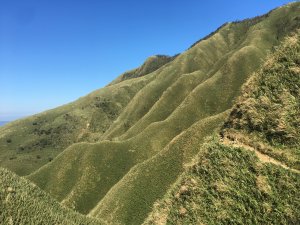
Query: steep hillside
point(269, 110)
point(24, 203)
point(43, 136)
point(149, 180)
point(114, 153)
point(229, 185)
point(235, 181)
point(27, 144)
point(152, 64)
point(247, 42)
point(198, 85)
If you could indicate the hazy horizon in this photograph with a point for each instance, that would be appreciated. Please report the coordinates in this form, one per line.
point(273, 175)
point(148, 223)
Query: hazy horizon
point(3, 123)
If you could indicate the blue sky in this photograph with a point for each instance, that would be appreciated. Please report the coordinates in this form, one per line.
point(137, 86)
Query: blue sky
point(53, 52)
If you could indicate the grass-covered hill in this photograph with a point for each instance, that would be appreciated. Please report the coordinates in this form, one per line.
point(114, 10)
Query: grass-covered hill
point(269, 109)
point(115, 152)
point(22, 202)
point(236, 181)
point(152, 64)
point(230, 185)
point(27, 144)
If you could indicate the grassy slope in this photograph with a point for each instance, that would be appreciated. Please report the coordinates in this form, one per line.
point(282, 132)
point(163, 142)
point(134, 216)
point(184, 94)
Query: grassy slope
point(152, 64)
point(148, 118)
point(27, 144)
point(216, 56)
point(149, 180)
point(24, 203)
point(91, 170)
point(230, 185)
point(269, 110)
point(231, 54)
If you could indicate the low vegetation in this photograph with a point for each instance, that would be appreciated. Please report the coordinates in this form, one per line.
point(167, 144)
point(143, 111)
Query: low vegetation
point(229, 185)
point(152, 64)
point(118, 151)
point(47, 134)
point(22, 202)
point(269, 109)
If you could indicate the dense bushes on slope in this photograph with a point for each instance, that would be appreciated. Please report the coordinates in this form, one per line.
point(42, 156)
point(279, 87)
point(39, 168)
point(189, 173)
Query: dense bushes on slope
point(269, 110)
point(230, 186)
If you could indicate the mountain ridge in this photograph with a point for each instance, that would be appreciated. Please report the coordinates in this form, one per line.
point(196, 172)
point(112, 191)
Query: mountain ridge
point(115, 152)
point(212, 189)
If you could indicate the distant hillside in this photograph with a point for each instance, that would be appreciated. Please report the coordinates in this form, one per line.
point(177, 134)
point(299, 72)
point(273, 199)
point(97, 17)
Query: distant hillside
point(128, 147)
point(27, 144)
point(152, 64)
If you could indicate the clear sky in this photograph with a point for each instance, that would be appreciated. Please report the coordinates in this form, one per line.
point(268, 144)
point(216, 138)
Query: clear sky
point(54, 51)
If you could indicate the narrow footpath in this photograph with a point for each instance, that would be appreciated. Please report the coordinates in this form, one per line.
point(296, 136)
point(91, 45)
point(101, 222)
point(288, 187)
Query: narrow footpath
point(262, 157)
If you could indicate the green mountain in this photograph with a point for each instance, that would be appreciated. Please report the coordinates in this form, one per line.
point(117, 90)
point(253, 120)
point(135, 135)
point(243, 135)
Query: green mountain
point(177, 140)
point(249, 174)
point(24, 203)
point(152, 64)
